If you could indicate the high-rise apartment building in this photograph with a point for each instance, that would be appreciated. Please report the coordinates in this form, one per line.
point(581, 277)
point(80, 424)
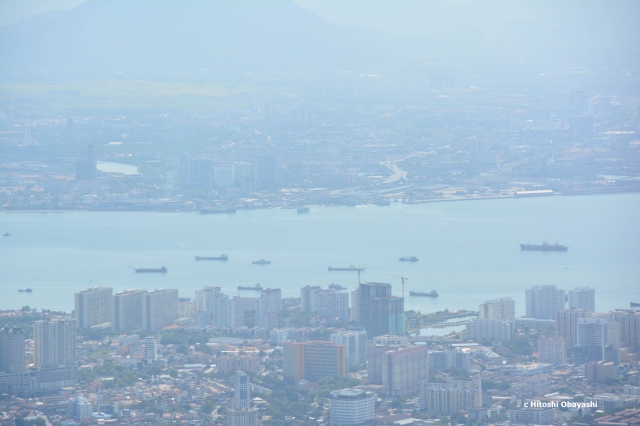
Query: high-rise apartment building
point(629, 327)
point(450, 397)
point(375, 355)
point(54, 343)
point(222, 177)
point(567, 324)
point(355, 343)
point(206, 301)
point(126, 310)
point(552, 350)
point(242, 177)
point(489, 329)
point(236, 312)
point(312, 361)
point(243, 417)
point(266, 169)
point(380, 312)
point(12, 350)
point(403, 369)
point(150, 350)
point(195, 173)
point(355, 305)
point(543, 301)
point(582, 298)
point(352, 406)
point(499, 309)
point(331, 303)
point(159, 308)
point(92, 306)
point(242, 390)
point(598, 333)
point(599, 372)
point(308, 301)
point(268, 305)
point(441, 360)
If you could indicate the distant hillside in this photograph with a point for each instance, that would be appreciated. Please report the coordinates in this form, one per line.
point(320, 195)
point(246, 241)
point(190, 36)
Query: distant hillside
point(156, 36)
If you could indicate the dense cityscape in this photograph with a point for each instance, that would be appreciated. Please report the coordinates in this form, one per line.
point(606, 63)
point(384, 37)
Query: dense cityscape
point(327, 357)
point(476, 139)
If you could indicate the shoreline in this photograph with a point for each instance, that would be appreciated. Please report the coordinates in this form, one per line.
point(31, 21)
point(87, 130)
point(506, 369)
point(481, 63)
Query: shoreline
point(425, 201)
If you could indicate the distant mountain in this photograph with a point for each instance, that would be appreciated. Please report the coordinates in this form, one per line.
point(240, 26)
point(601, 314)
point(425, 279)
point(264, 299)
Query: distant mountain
point(221, 37)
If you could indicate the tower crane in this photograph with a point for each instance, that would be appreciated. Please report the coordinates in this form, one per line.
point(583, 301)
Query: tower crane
point(403, 280)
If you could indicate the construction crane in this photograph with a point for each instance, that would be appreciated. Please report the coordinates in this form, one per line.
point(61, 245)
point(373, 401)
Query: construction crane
point(403, 280)
point(362, 268)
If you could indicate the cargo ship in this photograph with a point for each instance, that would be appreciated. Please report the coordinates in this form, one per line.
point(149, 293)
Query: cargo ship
point(261, 262)
point(408, 259)
point(424, 294)
point(350, 268)
point(256, 287)
point(28, 290)
point(544, 247)
point(303, 210)
point(162, 270)
point(634, 304)
point(217, 211)
point(6, 234)
point(221, 257)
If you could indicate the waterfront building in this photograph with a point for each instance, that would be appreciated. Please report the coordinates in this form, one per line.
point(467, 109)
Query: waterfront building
point(222, 177)
point(242, 391)
point(380, 312)
point(542, 301)
point(126, 310)
point(268, 305)
point(552, 350)
point(266, 169)
point(582, 298)
point(489, 329)
point(54, 343)
point(12, 350)
point(350, 407)
point(92, 306)
point(312, 361)
point(499, 309)
point(159, 308)
point(236, 312)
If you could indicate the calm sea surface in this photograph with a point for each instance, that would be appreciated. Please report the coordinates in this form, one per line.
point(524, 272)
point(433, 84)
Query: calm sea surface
point(468, 250)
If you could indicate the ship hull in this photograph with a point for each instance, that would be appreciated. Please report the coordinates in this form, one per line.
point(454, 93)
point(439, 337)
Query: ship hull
point(547, 247)
point(212, 258)
point(152, 271)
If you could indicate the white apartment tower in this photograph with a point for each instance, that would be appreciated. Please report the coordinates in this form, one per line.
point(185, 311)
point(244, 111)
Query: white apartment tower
point(500, 309)
point(159, 308)
point(552, 350)
point(126, 310)
point(92, 306)
point(352, 406)
point(543, 301)
point(355, 343)
point(150, 351)
point(54, 343)
point(583, 298)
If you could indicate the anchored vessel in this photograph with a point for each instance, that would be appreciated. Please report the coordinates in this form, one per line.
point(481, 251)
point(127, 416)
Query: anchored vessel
point(350, 268)
point(634, 304)
point(544, 247)
point(256, 287)
point(27, 290)
point(162, 270)
point(6, 234)
point(303, 209)
point(424, 294)
point(261, 262)
point(408, 259)
point(217, 211)
point(221, 257)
